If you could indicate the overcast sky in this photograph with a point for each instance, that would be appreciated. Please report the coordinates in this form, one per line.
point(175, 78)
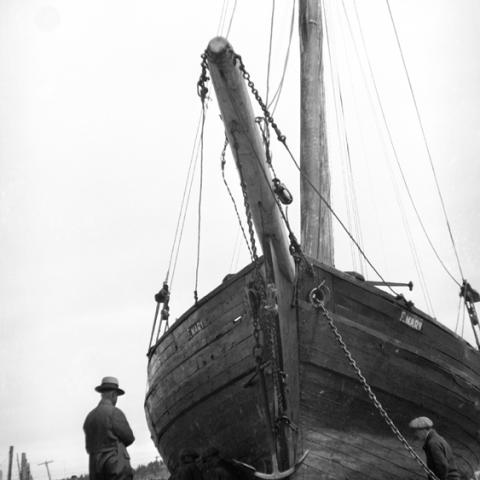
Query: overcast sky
point(98, 113)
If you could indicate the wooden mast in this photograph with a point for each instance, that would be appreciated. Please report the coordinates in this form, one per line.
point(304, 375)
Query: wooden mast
point(316, 220)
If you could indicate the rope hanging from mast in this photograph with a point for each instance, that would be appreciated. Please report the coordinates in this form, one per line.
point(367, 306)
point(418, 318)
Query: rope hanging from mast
point(424, 136)
point(397, 160)
point(223, 161)
point(185, 202)
point(353, 215)
point(415, 257)
point(276, 96)
point(202, 93)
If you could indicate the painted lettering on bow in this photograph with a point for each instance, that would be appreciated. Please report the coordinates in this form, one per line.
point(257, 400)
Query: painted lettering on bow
point(411, 320)
point(197, 327)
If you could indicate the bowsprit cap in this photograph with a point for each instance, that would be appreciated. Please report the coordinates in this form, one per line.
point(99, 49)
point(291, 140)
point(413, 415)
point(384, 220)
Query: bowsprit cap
point(109, 383)
point(420, 423)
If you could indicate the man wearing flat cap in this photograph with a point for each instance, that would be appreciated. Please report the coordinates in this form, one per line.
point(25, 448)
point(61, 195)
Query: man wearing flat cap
point(107, 436)
point(439, 455)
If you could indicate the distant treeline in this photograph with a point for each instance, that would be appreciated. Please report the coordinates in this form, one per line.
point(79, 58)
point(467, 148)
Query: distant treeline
point(151, 471)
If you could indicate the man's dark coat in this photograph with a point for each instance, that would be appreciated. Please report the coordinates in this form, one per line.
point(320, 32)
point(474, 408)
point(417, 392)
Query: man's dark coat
point(439, 457)
point(107, 434)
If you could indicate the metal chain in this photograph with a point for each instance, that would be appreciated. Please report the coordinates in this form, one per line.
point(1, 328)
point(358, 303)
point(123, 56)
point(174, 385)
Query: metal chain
point(294, 244)
point(248, 213)
point(202, 89)
point(258, 98)
point(278, 376)
point(282, 138)
point(252, 304)
point(372, 395)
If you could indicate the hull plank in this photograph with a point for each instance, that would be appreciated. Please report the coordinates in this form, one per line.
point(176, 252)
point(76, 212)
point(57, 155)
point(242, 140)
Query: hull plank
point(203, 390)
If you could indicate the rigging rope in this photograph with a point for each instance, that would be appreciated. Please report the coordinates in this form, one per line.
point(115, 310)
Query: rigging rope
point(429, 155)
point(231, 19)
point(183, 206)
point(233, 199)
point(396, 157)
point(223, 17)
point(282, 139)
point(203, 97)
point(236, 252)
point(458, 313)
point(353, 214)
point(221, 21)
point(269, 60)
point(276, 96)
point(413, 250)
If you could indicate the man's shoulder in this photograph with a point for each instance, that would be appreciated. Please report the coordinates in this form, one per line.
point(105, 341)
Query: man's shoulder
point(435, 439)
point(100, 410)
point(117, 411)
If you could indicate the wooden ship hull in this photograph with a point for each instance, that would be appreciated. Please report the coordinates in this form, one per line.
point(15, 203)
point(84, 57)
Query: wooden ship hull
point(204, 391)
point(263, 367)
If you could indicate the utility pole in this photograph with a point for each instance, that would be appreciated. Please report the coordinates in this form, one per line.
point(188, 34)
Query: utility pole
point(46, 462)
point(19, 469)
point(10, 460)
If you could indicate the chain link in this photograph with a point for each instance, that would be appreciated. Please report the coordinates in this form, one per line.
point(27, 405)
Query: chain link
point(258, 98)
point(325, 313)
point(294, 244)
point(202, 89)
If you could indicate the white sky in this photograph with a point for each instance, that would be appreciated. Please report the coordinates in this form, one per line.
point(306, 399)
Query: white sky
point(98, 111)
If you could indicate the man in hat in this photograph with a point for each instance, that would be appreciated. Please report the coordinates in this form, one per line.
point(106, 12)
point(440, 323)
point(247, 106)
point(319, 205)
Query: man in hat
point(107, 436)
point(438, 452)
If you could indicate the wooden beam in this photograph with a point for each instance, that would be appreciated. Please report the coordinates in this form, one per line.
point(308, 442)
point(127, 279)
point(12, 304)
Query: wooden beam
point(248, 150)
point(316, 220)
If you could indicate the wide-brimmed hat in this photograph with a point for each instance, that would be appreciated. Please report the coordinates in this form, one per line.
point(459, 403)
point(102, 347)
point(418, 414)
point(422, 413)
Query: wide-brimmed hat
point(109, 383)
point(420, 423)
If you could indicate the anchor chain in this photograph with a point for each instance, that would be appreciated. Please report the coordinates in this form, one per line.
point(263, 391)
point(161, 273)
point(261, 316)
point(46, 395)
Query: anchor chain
point(265, 314)
point(325, 313)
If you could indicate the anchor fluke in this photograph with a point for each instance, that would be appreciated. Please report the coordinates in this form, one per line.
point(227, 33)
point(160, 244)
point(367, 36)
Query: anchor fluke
point(276, 474)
